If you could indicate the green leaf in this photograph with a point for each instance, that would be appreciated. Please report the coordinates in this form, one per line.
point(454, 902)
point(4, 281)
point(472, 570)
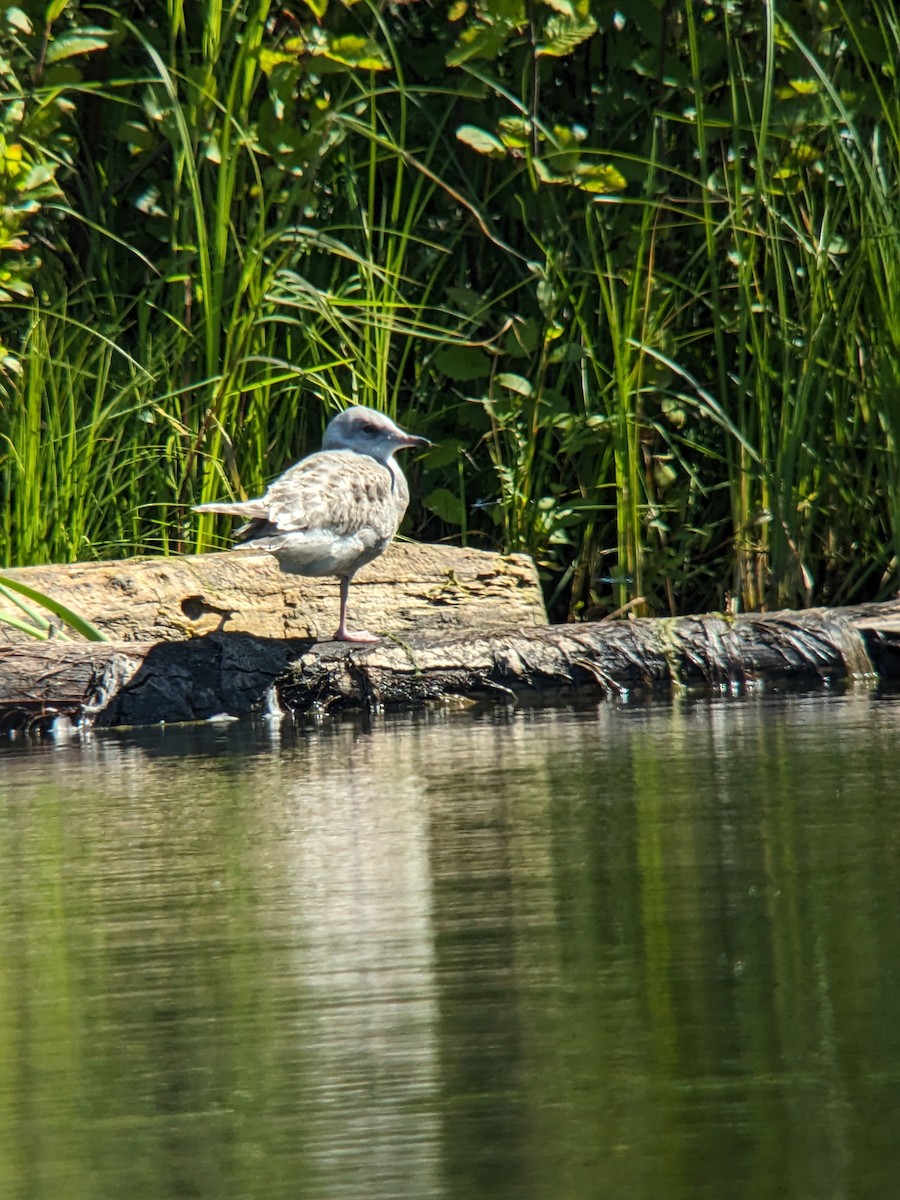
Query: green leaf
point(39, 175)
point(798, 87)
point(353, 51)
point(270, 59)
point(53, 10)
point(136, 135)
point(445, 505)
point(504, 12)
point(598, 179)
point(481, 140)
point(478, 41)
point(443, 453)
point(18, 19)
point(522, 338)
point(462, 363)
point(318, 8)
point(466, 299)
point(566, 352)
point(569, 137)
point(562, 36)
point(515, 383)
point(515, 132)
point(545, 175)
point(80, 41)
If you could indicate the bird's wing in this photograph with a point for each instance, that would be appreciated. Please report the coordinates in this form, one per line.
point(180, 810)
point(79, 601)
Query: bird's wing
point(335, 490)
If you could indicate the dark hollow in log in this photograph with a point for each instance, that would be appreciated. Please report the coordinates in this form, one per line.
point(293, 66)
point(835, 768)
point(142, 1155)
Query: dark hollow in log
point(129, 683)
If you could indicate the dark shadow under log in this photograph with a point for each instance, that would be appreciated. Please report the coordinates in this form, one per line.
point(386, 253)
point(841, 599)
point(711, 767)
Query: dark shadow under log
point(133, 683)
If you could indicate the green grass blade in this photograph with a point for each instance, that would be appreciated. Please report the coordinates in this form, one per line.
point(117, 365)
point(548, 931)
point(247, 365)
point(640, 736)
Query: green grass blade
point(72, 619)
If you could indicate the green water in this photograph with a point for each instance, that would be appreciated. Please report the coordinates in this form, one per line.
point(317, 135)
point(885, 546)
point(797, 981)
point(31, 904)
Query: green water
point(629, 953)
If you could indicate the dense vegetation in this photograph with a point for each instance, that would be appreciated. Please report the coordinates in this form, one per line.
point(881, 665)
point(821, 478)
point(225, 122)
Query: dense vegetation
point(635, 269)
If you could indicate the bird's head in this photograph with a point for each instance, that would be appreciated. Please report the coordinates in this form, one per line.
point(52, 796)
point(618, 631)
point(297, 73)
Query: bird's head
point(367, 431)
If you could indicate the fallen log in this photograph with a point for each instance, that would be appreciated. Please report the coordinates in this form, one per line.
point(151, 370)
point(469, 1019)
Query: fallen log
point(129, 683)
point(239, 591)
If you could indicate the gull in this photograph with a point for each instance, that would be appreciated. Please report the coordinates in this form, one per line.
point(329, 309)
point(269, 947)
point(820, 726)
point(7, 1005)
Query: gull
point(336, 509)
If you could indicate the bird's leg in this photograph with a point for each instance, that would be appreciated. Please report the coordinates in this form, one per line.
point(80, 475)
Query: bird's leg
point(343, 634)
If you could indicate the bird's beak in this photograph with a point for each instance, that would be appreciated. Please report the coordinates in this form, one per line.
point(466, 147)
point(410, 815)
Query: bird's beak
point(412, 442)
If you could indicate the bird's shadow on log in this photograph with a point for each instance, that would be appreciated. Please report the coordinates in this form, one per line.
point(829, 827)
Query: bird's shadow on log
point(232, 674)
point(221, 673)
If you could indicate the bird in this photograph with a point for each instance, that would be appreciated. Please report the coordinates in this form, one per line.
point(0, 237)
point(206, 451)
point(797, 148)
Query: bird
point(335, 510)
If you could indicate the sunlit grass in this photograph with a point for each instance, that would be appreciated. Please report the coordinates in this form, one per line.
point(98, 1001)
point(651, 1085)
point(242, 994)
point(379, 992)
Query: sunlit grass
point(682, 395)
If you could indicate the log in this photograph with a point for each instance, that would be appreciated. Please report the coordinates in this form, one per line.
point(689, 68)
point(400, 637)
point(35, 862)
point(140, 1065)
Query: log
point(172, 599)
point(129, 683)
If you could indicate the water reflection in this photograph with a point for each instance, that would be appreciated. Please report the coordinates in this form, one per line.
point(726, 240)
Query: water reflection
point(631, 951)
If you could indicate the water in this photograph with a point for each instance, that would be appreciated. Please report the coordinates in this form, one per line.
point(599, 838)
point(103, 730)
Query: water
point(629, 952)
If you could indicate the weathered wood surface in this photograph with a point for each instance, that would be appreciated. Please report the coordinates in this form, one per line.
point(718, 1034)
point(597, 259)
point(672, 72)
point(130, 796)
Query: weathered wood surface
point(167, 599)
point(131, 683)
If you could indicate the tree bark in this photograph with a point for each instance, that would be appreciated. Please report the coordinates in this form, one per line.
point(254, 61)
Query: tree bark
point(129, 683)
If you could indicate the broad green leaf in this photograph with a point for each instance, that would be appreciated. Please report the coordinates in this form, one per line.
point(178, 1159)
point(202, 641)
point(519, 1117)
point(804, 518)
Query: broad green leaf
point(478, 41)
point(317, 7)
point(515, 383)
point(515, 132)
point(466, 299)
point(136, 135)
point(798, 87)
point(566, 352)
point(18, 287)
point(462, 363)
point(62, 75)
point(445, 505)
point(270, 59)
point(443, 453)
point(522, 338)
point(68, 45)
point(562, 36)
point(354, 51)
point(38, 176)
point(504, 12)
point(18, 19)
point(568, 137)
point(545, 175)
point(481, 140)
point(457, 10)
point(53, 10)
point(598, 179)
point(562, 162)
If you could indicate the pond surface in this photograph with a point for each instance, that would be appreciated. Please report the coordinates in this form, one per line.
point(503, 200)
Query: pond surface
point(639, 952)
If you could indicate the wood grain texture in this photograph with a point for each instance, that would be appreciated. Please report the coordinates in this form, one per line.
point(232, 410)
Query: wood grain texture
point(412, 587)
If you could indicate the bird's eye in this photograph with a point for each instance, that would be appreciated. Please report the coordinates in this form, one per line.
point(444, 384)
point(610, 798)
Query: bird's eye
point(369, 427)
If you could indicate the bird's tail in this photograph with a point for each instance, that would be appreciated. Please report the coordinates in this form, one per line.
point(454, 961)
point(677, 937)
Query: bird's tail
point(236, 508)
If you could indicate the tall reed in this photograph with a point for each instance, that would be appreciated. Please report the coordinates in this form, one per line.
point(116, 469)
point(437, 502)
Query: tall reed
point(640, 277)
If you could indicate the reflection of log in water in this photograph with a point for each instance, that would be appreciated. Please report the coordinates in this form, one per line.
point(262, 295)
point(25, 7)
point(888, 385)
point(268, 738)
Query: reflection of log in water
point(132, 683)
